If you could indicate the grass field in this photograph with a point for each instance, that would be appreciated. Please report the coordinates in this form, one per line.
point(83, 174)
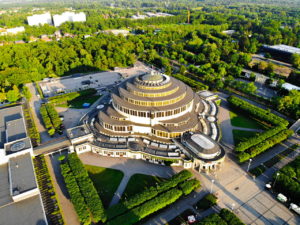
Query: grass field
point(79, 101)
point(240, 120)
point(242, 135)
point(106, 181)
point(138, 183)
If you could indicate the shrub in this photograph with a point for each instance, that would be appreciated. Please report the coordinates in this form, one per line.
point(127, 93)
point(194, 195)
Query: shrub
point(193, 83)
point(87, 188)
point(230, 217)
point(257, 112)
point(208, 201)
point(147, 194)
point(264, 145)
point(212, 219)
point(188, 186)
point(76, 197)
point(149, 207)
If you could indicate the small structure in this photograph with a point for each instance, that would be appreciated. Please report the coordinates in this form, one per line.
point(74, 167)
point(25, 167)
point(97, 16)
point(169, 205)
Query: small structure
point(282, 49)
point(208, 95)
point(289, 87)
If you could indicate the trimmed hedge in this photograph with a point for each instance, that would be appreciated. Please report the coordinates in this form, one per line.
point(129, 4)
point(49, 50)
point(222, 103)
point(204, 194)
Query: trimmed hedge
point(193, 83)
point(257, 112)
point(50, 118)
point(87, 188)
point(147, 208)
point(212, 219)
point(188, 186)
point(147, 194)
point(76, 196)
point(264, 145)
point(244, 145)
point(230, 217)
point(207, 201)
point(64, 98)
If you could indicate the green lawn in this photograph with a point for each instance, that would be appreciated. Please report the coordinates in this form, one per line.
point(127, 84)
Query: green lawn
point(242, 135)
point(139, 182)
point(106, 181)
point(78, 102)
point(240, 120)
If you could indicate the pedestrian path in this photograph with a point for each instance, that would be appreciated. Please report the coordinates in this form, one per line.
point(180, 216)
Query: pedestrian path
point(119, 192)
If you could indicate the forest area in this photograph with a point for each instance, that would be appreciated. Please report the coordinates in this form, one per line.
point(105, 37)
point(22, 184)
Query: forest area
point(196, 44)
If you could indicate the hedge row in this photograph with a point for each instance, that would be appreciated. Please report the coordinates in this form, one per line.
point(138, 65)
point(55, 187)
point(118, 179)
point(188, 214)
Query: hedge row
point(230, 217)
point(50, 118)
point(64, 98)
point(207, 201)
point(244, 145)
point(147, 194)
point(188, 186)
point(264, 145)
point(76, 197)
point(147, 208)
point(31, 126)
point(87, 188)
point(193, 83)
point(257, 112)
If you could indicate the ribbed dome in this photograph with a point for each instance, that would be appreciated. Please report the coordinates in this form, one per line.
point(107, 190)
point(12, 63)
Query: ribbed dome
point(152, 77)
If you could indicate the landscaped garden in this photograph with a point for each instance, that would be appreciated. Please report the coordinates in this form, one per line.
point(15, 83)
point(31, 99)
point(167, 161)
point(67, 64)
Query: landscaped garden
point(75, 99)
point(260, 143)
point(140, 182)
point(238, 119)
point(106, 181)
point(89, 206)
point(242, 135)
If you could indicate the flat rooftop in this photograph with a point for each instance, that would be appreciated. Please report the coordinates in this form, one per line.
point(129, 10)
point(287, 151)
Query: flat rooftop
point(20, 144)
point(76, 82)
point(10, 123)
point(79, 131)
point(285, 48)
point(22, 174)
point(25, 212)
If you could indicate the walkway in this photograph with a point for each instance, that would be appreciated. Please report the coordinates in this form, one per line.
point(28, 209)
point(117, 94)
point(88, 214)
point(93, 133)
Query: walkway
point(69, 214)
point(119, 192)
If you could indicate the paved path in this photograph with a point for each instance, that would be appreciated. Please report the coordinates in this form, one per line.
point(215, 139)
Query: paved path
point(120, 190)
point(69, 214)
point(35, 104)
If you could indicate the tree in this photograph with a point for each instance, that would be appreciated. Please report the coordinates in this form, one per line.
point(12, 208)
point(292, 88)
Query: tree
point(2, 96)
point(295, 59)
point(26, 93)
point(13, 95)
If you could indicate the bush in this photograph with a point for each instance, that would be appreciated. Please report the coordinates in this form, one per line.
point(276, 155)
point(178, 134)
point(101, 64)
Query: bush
point(147, 194)
point(264, 145)
point(257, 112)
point(230, 217)
point(188, 186)
point(87, 188)
point(50, 118)
point(212, 219)
point(193, 83)
point(147, 208)
point(76, 196)
point(244, 145)
point(208, 201)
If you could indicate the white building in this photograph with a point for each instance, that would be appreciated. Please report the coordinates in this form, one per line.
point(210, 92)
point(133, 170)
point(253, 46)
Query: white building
point(39, 19)
point(68, 17)
point(12, 31)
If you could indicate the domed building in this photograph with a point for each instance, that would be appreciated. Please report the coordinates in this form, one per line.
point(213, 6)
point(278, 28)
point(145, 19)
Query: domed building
point(147, 118)
point(154, 105)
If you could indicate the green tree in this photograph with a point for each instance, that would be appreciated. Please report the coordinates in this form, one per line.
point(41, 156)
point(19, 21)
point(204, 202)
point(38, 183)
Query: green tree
point(296, 60)
point(13, 95)
point(26, 93)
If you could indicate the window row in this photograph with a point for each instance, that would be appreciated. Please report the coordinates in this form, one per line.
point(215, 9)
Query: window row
point(160, 94)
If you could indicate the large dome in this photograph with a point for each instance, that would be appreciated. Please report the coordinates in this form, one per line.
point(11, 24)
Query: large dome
point(151, 104)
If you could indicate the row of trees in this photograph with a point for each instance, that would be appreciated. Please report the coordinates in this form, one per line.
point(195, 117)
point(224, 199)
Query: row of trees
point(287, 182)
point(50, 118)
point(87, 188)
point(257, 112)
point(264, 145)
point(147, 194)
point(160, 201)
point(192, 83)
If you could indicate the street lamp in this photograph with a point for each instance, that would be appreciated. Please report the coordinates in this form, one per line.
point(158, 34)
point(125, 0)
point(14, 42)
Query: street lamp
point(232, 206)
point(250, 160)
point(277, 174)
point(212, 184)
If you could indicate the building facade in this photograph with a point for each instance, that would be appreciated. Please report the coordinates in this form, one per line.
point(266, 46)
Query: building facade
point(147, 118)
